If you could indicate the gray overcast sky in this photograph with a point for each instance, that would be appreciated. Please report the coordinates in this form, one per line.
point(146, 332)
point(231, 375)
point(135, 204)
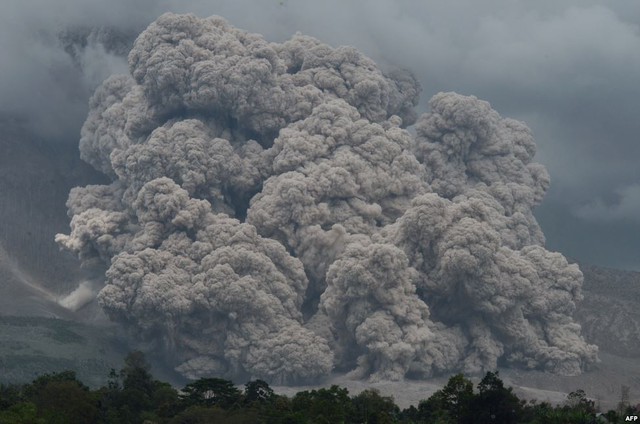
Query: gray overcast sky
point(569, 69)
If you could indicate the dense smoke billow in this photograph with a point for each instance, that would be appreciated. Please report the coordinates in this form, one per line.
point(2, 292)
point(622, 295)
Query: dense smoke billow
point(270, 216)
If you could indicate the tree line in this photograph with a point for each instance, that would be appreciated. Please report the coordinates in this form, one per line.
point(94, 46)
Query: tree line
point(132, 395)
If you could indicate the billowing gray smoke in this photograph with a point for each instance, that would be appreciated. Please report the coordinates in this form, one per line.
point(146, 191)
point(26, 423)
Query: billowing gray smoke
point(270, 217)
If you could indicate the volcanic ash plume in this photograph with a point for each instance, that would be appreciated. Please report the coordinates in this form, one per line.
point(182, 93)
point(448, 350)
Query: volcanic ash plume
point(270, 217)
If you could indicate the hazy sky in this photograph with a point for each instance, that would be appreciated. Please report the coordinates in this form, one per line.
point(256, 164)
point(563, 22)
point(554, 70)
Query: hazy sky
point(569, 69)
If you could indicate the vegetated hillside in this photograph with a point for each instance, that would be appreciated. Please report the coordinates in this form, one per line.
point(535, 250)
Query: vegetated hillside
point(37, 335)
point(33, 346)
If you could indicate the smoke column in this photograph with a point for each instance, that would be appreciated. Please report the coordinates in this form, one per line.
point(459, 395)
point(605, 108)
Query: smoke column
point(270, 217)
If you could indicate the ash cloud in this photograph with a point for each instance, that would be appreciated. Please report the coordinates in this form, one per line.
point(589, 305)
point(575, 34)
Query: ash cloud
point(270, 216)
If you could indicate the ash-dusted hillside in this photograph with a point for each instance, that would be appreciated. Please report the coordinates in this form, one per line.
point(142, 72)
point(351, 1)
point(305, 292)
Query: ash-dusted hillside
point(39, 164)
point(610, 311)
point(35, 176)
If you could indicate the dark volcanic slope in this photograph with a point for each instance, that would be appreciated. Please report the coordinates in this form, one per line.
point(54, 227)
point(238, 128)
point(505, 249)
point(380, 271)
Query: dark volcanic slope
point(35, 178)
point(21, 295)
point(609, 313)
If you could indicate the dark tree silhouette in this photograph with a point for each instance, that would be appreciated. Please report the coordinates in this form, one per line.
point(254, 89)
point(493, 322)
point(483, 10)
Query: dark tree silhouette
point(495, 403)
point(257, 391)
point(451, 404)
point(211, 392)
